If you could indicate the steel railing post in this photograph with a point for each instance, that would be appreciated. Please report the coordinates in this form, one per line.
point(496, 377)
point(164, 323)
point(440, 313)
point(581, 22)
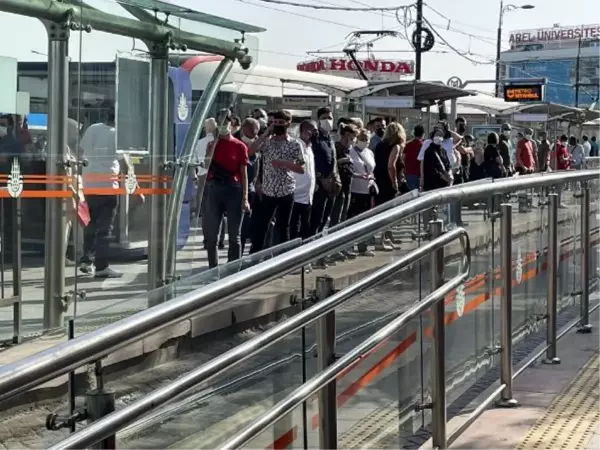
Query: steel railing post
point(17, 269)
point(506, 396)
point(326, 357)
point(438, 366)
point(100, 403)
point(159, 138)
point(552, 273)
point(584, 325)
point(58, 104)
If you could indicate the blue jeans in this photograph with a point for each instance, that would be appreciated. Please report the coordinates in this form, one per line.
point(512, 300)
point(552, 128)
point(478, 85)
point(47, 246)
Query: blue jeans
point(222, 198)
point(412, 181)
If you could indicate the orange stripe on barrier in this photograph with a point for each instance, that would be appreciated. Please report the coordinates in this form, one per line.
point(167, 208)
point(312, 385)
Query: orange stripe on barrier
point(449, 318)
point(285, 439)
point(121, 191)
point(38, 194)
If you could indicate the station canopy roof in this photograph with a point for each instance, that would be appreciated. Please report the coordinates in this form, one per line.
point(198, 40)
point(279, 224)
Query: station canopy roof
point(425, 92)
point(556, 111)
point(482, 104)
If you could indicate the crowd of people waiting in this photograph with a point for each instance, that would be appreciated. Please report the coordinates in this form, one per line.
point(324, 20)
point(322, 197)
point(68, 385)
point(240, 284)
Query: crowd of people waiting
point(267, 186)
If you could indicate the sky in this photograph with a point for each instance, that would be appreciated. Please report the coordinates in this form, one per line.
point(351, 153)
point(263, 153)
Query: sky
point(469, 26)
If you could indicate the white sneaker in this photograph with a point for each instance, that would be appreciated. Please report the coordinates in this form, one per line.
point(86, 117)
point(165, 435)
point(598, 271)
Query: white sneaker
point(108, 273)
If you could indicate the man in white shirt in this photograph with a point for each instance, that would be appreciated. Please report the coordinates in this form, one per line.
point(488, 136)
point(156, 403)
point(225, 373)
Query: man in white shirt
point(99, 147)
point(305, 183)
point(587, 147)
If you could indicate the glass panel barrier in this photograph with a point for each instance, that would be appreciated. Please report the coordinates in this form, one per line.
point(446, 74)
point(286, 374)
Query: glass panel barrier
point(377, 399)
point(208, 415)
point(529, 279)
point(469, 310)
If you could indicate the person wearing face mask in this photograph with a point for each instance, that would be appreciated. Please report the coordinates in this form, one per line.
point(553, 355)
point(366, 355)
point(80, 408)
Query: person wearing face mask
point(525, 154)
point(346, 143)
point(449, 140)
point(363, 187)
point(328, 180)
point(577, 154)
point(378, 132)
point(226, 191)
point(305, 184)
point(560, 158)
point(281, 157)
point(248, 134)
point(435, 163)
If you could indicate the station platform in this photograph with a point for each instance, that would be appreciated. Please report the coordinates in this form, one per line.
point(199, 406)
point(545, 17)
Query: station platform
point(559, 406)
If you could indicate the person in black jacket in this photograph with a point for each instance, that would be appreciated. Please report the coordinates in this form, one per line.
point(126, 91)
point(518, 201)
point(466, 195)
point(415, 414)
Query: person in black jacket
point(493, 163)
point(436, 166)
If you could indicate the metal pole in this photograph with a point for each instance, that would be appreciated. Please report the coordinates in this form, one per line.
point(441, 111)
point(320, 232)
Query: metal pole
point(16, 269)
point(99, 404)
point(326, 357)
point(419, 32)
point(499, 50)
point(438, 364)
point(506, 396)
point(159, 79)
point(58, 96)
point(577, 71)
point(181, 172)
point(584, 325)
point(552, 274)
point(124, 26)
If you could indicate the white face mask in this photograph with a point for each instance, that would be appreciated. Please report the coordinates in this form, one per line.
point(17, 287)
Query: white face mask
point(262, 121)
point(437, 140)
point(247, 140)
point(361, 145)
point(3, 131)
point(528, 136)
point(326, 125)
point(224, 130)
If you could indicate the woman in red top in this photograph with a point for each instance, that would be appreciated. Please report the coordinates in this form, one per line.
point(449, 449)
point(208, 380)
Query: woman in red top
point(561, 160)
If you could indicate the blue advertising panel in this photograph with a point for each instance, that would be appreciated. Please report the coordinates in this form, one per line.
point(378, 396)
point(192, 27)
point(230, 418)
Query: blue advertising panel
point(561, 75)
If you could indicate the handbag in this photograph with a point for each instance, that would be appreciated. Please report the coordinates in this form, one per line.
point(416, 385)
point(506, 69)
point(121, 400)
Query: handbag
point(83, 214)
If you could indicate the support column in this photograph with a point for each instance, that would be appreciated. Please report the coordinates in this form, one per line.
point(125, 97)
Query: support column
point(58, 96)
point(584, 325)
point(506, 396)
point(552, 274)
point(157, 145)
point(325, 358)
point(438, 344)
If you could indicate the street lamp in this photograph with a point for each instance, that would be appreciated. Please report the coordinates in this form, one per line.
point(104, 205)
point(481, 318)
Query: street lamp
point(504, 9)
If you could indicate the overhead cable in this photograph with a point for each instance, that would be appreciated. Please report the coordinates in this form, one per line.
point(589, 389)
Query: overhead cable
point(332, 8)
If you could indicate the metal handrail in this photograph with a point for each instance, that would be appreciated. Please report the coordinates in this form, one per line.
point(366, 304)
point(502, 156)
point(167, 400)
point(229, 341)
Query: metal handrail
point(354, 356)
point(115, 421)
point(36, 369)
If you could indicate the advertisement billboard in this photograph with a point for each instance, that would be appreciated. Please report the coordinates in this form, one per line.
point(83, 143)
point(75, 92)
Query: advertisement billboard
point(375, 69)
point(554, 34)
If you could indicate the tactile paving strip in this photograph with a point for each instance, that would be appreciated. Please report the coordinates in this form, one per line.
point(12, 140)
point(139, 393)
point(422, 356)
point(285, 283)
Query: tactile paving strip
point(572, 418)
point(379, 430)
